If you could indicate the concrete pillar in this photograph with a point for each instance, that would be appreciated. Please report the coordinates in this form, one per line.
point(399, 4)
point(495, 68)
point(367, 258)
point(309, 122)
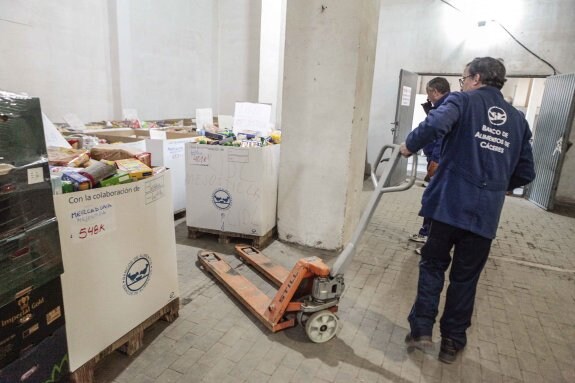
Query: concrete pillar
point(328, 75)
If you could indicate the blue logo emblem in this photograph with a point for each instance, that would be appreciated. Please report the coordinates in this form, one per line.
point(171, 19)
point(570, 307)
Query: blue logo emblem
point(222, 199)
point(137, 274)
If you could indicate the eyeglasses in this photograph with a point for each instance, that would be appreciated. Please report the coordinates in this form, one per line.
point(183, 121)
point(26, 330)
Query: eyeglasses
point(462, 79)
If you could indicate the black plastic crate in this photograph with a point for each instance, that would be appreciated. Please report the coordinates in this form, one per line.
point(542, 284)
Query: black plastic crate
point(29, 259)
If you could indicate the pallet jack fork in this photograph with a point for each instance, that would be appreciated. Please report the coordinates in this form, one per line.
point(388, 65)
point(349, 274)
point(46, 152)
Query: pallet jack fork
point(310, 291)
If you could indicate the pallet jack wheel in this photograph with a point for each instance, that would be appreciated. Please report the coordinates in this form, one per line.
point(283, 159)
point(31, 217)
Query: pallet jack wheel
point(321, 326)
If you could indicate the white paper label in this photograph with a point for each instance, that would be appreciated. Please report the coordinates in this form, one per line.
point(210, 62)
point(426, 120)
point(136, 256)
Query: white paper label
point(252, 117)
point(204, 117)
point(406, 96)
point(225, 122)
point(35, 175)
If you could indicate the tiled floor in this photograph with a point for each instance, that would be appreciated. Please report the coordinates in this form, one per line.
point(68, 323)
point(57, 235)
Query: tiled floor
point(523, 327)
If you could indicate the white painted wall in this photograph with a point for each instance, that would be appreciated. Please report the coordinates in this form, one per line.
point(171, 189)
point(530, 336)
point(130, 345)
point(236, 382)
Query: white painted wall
point(534, 102)
point(430, 37)
point(272, 43)
point(239, 46)
point(58, 51)
point(165, 59)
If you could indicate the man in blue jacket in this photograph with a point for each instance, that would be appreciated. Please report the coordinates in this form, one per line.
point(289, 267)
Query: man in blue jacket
point(437, 90)
point(486, 151)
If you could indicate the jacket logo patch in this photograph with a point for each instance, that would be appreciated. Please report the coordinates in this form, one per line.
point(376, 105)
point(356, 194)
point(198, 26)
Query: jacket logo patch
point(497, 116)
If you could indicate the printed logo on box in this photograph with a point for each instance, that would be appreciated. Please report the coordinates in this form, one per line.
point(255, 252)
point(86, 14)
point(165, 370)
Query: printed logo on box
point(222, 199)
point(137, 274)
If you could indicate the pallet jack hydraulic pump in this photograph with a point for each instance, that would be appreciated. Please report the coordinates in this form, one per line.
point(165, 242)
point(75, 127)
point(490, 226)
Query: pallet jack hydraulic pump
point(310, 291)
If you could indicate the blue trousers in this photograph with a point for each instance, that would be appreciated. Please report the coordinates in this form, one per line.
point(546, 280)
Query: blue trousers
point(425, 227)
point(469, 257)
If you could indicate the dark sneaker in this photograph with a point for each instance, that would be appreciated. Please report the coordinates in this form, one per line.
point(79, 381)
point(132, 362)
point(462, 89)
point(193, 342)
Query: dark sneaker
point(423, 343)
point(448, 352)
point(418, 238)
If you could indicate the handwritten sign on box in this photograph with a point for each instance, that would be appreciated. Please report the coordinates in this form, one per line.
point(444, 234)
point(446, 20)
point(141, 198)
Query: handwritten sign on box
point(199, 157)
point(154, 190)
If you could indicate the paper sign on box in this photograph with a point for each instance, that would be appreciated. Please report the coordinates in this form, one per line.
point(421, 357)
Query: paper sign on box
point(225, 122)
point(250, 116)
point(204, 117)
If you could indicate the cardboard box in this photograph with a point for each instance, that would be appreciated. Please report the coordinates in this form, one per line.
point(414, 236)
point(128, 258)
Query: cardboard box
point(133, 135)
point(123, 138)
point(232, 189)
point(119, 253)
point(136, 169)
point(167, 151)
point(117, 179)
point(29, 319)
point(171, 154)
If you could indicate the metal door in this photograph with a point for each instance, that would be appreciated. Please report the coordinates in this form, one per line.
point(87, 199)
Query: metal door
point(403, 119)
point(551, 138)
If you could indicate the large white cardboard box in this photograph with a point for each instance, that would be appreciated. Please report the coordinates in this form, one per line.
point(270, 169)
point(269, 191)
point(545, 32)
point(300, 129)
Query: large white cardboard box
point(232, 189)
point(171, 154)
point(120, 266)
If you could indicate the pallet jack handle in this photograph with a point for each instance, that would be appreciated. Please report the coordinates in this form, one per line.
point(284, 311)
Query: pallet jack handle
point(348, 252)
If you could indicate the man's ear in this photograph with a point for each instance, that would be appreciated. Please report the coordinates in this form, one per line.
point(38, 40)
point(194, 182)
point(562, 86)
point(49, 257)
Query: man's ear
point(477, 77)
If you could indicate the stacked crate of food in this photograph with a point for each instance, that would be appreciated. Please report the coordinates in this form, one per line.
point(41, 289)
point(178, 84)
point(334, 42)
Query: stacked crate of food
point(32, 332)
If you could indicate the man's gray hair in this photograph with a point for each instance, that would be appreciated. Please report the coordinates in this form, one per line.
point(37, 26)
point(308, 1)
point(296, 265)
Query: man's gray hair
point(491, 71)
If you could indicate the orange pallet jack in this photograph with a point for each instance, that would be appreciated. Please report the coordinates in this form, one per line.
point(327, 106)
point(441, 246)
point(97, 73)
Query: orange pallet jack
point(310, 291)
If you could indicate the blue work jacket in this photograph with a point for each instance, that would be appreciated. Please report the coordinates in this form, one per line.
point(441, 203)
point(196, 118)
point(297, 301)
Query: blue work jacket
point(433, 150)
point(486, 151)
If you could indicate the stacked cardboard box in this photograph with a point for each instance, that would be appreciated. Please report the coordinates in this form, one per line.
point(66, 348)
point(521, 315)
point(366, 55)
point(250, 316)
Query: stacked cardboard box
point(31, 308)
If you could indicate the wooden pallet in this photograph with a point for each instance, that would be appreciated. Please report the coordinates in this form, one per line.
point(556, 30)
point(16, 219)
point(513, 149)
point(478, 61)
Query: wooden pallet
point(225, 237)
point(128, 344)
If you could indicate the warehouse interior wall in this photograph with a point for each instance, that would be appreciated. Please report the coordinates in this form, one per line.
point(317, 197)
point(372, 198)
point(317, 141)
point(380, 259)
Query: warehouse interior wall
point(429, 36)
point(58, 51)
point(272, 43)
point(94, 59)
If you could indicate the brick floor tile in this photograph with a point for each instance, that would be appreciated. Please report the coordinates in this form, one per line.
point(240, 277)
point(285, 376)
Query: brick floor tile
point(488, 351)
point(187, 360)
point(505, 346)
point(256, 377)
point(169, 376)
point(510, 366)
